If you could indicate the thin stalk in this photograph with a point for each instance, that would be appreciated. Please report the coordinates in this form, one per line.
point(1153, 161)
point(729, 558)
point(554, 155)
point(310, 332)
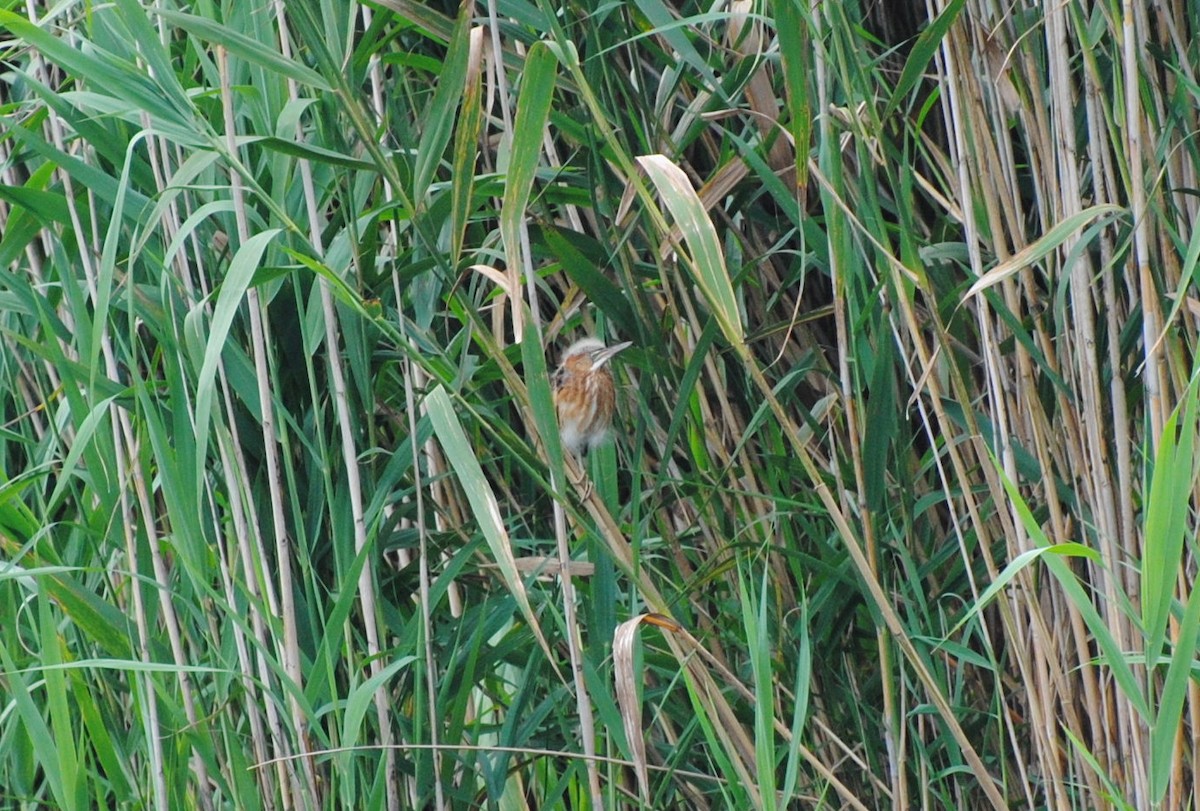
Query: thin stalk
point(878, 597)
point(583, 701)
point(124, 457)
point(305, 792)
point(366, 580)
point(897, 774)
point(162, 579)
point(255, 669)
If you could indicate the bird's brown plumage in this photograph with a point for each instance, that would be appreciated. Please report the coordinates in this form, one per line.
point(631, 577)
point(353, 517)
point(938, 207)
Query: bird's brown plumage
point(584, 395)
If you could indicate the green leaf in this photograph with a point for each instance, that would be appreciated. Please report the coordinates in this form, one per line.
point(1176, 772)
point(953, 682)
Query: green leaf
point(482, 500)
point(246, 48)
point(120, 78)
point(1111, 653)
point(45, 205)
point(533, 109)
point(666, 24)
point(707, 259)
point(1015, 567)
point(1167, 511)
point(794, 53)
point(20, 697)
point(922, 51)
point(466, 146)
point(1166, 532)
point(1041, 247)
point(541, 400)
point(440, 118)
point(241, 270)
point(580, 266)
point(361, 698)
point(308, 152)
point(1164, 731)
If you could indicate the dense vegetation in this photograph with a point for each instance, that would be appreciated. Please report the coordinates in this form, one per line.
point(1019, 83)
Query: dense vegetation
point(899, 505)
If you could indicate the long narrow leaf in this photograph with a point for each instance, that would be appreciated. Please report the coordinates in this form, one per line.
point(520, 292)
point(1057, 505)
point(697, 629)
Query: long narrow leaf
point(483, 502)
point(693, 222)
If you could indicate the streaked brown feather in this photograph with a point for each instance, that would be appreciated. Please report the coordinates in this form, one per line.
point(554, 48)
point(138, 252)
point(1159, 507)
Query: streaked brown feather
point(584, 396)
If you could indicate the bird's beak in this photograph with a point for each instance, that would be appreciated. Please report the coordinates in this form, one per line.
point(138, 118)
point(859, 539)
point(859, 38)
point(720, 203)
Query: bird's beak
point(603, 356)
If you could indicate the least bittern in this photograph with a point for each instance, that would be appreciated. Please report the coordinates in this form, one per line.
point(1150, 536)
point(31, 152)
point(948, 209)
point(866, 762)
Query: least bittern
point(584, 394)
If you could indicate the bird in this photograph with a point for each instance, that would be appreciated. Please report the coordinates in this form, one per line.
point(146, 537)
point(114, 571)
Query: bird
point(584, 394)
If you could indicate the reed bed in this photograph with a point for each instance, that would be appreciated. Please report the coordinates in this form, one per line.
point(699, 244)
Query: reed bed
point(899, 506)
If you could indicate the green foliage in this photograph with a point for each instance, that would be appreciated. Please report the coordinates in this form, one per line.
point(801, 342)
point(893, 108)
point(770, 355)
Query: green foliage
point(903, 474)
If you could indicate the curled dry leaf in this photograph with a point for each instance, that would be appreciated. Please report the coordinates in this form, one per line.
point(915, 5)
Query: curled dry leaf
point(497, 277)
point(627, 694)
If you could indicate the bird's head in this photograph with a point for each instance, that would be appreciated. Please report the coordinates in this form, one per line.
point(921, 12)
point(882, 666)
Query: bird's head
point(589, 354)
